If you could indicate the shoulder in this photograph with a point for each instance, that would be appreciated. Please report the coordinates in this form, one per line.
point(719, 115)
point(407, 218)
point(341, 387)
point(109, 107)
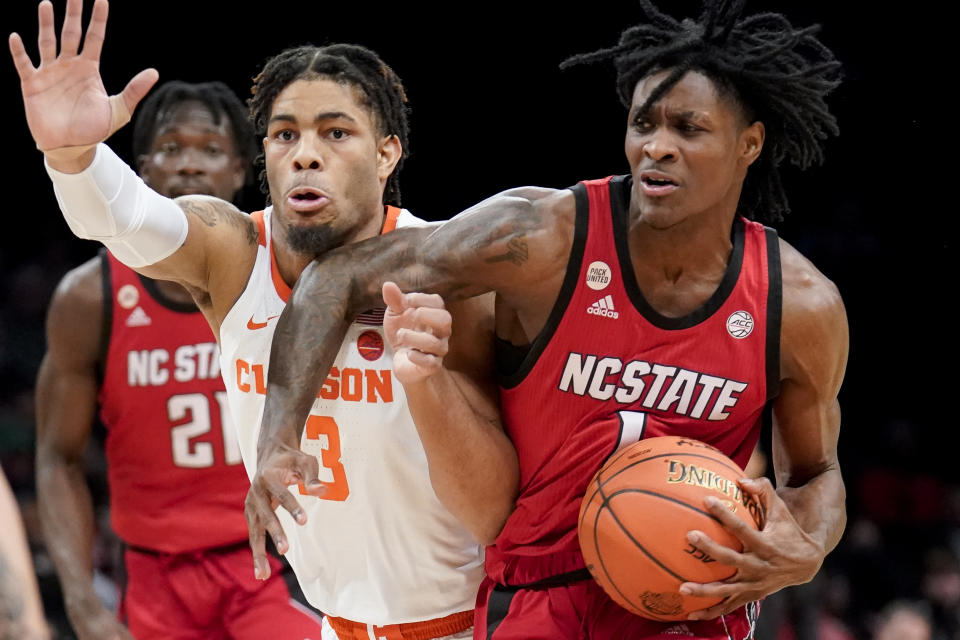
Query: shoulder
point(213, 212)
point(814, 331)
point(75, 315)
point(81, 288)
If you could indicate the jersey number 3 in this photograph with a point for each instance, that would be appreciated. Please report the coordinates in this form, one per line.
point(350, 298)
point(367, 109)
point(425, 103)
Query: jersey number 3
point(325, 428)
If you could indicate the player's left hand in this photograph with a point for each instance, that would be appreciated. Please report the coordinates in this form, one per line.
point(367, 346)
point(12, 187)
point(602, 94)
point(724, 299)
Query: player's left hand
point(417, 327)
point(779, 555)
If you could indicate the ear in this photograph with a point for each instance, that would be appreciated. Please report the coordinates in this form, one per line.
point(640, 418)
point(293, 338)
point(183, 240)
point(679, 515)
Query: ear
point(239, 176)
point(751, 142)
point(389, 152)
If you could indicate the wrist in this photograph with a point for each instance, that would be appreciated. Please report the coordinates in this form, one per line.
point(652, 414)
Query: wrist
point(82, 602)
point(70, 160)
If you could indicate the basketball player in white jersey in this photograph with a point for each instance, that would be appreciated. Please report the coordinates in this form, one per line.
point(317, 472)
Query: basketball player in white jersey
point(371, 542)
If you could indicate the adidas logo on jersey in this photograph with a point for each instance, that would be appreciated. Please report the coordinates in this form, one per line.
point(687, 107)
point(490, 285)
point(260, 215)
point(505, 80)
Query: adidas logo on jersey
point(604, 307)
point(138, 318)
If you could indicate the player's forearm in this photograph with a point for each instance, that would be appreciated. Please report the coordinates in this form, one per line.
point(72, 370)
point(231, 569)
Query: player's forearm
point(473, 465)
point(105, 200)
point(305, 344)
point(819, 507)
point(67, 521)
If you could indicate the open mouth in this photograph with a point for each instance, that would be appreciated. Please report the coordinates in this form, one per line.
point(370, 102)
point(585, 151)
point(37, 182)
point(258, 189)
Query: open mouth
point(658, 182)
point(306, 199)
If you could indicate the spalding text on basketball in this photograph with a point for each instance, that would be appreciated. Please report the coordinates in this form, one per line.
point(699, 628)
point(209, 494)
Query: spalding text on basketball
point(684, 473)
point(688, 393)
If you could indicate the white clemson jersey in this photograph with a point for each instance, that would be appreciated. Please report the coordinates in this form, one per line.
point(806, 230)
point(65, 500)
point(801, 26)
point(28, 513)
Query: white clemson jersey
point(378, 547)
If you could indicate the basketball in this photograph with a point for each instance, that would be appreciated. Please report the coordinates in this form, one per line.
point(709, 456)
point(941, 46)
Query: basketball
point(635, 516)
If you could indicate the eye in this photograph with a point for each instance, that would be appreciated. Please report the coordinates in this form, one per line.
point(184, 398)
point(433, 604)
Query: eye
point(169, 147)
point(642, 124)
point(213, 150)
point(338, 134)
point(284, 135)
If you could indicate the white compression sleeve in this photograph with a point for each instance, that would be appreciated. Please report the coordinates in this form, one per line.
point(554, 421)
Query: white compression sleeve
point(109, 203)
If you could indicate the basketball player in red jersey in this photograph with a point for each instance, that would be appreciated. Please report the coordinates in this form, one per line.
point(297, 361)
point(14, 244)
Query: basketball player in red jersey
point(639, 305)
point(142, 351)
point(373, 545)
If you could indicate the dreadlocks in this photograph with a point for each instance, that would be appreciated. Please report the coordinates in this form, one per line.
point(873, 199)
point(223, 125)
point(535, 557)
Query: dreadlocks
point(778, 74)
point(215, 96)
point(381, 89)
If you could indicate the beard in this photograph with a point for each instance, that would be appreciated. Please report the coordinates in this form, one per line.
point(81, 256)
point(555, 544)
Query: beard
point(312, 241)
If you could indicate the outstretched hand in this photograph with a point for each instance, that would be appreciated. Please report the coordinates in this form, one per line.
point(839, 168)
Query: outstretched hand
point(277, 469)
point(781, 554)
point(67, 107)
point(417, 327)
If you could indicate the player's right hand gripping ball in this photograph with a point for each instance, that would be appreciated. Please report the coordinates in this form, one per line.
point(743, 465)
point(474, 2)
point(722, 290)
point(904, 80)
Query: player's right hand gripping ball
point(636, 514)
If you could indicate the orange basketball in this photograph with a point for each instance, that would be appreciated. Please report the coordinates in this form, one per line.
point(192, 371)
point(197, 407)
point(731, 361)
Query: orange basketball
point(636, 514)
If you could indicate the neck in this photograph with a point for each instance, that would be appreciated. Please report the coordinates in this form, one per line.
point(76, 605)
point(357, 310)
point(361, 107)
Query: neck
point(291, 263)
point(174, 292)
point(699, 244)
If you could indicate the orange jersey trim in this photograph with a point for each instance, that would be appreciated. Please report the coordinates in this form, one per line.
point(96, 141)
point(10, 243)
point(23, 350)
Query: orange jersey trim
point(389, 224)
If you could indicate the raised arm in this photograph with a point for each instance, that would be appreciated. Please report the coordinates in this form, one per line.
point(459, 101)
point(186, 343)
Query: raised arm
point(69, 114)
point(67, 388)
point(503, 244)
point(806, 513)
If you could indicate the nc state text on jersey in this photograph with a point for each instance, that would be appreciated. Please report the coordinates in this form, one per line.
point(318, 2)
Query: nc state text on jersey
point(641, 382)
point(153, 367)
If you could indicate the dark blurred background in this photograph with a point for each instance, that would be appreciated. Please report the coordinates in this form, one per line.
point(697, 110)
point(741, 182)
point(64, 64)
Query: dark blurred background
point(491, 110)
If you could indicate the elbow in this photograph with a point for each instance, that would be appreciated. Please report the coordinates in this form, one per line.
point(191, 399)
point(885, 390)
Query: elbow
point(488, 531)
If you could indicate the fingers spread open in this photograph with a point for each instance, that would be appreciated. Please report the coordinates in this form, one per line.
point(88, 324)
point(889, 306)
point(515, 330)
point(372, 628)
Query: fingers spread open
point(96, 30)
point(46, 38)
point(21, 60)
point(72, 28)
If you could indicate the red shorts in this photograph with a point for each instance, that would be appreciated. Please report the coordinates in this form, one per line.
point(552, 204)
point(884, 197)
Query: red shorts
point(583, 611)
point(210, 595)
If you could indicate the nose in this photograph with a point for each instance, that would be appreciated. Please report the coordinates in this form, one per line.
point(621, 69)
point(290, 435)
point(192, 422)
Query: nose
point(660, 146)
point(190, 161)
point(307, 154)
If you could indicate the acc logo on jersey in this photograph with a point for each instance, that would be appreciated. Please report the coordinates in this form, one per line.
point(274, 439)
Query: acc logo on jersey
point(740, 324)
point(370, 345)
point(598, 275)
point(128, 296)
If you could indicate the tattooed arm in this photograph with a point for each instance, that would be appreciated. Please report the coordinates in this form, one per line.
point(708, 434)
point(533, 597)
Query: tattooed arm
point(21, 612)
point(516, 243)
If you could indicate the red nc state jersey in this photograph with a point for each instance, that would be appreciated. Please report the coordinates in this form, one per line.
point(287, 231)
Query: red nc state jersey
point(608, 370)
point(176, 479)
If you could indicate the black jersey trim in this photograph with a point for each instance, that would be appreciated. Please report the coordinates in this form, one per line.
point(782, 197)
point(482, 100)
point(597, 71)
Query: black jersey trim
point(539, 344)
point(173, 305)
point(774, 312)
point(620, 205)
point(106, 324)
